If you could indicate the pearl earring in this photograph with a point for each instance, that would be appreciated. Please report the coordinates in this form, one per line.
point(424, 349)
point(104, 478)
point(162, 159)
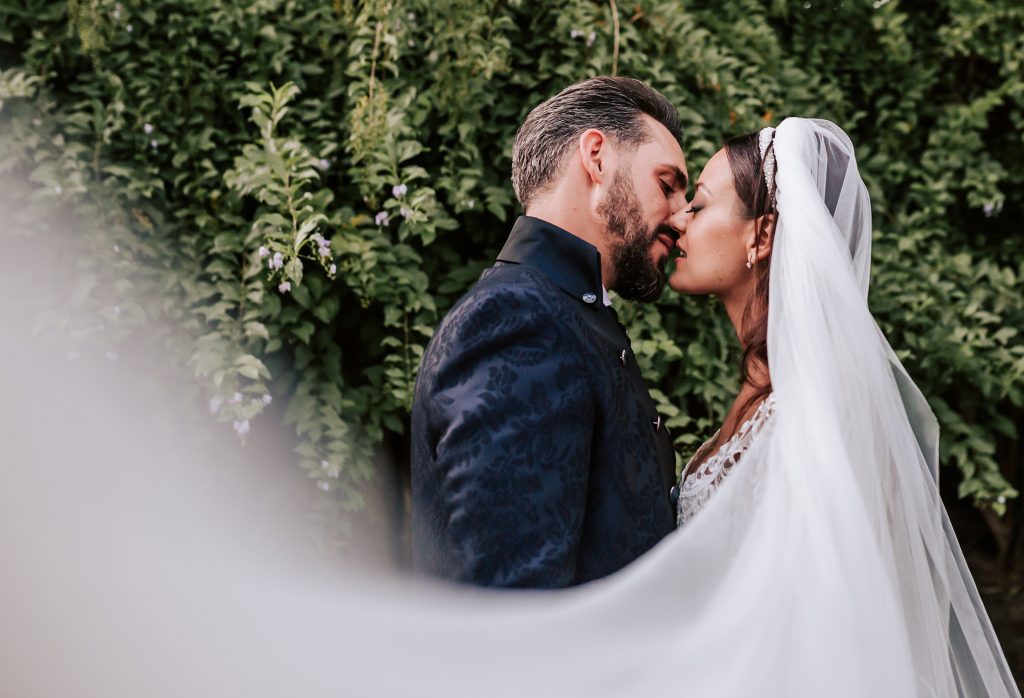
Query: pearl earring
point(750, 263)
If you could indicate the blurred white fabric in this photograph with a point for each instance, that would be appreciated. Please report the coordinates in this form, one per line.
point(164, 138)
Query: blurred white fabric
point(136, 564)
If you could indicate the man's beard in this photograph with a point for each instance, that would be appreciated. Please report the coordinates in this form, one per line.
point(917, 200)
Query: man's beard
point(637, 276)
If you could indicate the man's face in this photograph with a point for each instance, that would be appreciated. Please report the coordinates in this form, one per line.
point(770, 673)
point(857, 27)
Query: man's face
point(648, 187)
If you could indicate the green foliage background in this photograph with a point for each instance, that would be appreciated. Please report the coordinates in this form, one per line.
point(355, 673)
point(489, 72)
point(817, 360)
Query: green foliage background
point(181, 136)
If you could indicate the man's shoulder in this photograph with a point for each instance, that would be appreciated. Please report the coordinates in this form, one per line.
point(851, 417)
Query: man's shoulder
point(514, 287)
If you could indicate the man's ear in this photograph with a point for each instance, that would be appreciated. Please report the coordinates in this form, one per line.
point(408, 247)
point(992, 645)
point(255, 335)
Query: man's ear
point(764, 227)
point(596, 155)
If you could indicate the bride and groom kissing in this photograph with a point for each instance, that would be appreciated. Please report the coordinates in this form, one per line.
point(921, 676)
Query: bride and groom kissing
point(812, 516)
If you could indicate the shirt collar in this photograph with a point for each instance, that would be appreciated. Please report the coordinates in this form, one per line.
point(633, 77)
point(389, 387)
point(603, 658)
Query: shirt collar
point(570, 262)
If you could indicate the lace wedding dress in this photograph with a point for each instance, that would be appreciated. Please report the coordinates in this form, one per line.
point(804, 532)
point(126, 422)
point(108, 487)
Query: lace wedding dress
point(696, 487)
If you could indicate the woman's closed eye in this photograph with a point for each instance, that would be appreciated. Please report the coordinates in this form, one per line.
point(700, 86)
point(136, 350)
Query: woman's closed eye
point(694, 209)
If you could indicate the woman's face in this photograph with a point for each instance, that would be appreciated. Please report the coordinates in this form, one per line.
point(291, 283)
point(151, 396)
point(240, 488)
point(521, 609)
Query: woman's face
point(715, 239)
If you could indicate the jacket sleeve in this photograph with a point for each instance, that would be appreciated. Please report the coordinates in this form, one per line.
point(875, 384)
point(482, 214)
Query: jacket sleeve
point(512, 428)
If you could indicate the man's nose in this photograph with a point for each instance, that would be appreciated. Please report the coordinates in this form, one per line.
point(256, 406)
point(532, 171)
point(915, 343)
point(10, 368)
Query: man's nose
point(677, 221)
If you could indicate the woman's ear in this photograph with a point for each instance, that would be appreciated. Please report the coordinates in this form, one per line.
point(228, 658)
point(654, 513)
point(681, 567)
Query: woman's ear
point(764, 236)
point(595, 154)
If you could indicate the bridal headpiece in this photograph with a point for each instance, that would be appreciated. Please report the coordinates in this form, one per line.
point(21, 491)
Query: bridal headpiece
point(764, 141)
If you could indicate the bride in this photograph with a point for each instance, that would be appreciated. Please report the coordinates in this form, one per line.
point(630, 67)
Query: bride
point(813, 557)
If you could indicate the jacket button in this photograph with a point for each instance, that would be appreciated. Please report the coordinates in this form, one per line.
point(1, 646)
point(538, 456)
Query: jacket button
point(656, 423)
point(589, 297)
point(673, 495)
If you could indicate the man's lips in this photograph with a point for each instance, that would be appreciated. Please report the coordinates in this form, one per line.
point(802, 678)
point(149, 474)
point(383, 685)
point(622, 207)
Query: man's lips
point(667, 238)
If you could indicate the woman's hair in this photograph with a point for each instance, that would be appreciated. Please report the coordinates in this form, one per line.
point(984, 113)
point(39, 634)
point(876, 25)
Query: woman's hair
point(757, 200)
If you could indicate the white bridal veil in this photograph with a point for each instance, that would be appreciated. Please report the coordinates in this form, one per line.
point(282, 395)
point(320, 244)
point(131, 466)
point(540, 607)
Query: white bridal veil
point(825, 565)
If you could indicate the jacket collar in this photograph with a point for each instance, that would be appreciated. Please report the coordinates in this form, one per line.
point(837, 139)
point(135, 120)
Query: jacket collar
point(570, 262)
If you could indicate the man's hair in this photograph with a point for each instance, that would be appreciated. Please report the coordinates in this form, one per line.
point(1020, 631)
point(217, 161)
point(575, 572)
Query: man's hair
point(612, 105)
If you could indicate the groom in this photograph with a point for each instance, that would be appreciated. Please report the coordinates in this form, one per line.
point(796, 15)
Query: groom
point(538, 458)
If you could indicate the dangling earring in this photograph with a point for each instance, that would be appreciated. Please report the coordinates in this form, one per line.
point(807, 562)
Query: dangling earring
point(750, 262)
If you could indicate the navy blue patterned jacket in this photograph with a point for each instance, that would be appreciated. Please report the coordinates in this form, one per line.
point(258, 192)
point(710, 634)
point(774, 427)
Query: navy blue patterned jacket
point(538, 458)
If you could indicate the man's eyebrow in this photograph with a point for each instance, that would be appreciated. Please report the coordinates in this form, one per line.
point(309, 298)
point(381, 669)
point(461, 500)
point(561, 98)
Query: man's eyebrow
point(680, 176)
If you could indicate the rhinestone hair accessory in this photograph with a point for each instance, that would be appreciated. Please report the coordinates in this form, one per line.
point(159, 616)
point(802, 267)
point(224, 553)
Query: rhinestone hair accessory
point(764, 140)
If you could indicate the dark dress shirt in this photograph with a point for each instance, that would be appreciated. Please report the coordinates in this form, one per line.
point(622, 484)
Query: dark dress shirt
point(538, 457)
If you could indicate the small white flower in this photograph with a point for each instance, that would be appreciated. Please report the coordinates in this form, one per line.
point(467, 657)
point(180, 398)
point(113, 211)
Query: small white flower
point(406, 213)
point(153, 144)
point(325, 251)
point(267, 399)
point(284, 286)
point(278, 261)
point(117, 13)
point(1001, 499)
point(147, 128)
point(333, 269)
point(129, 28)
point(411, 16)
point(58, 189)
point(241, 426)
point(317, 238)
point(235, 399)
point(324, 164)
point(382, 218)
point(575, 34)
point(325, 486)
point(412, 44)
point(325, 464)
point(591, 37)
point(263, 251)
point(215, 404)
point(471, 203)
point(111, 355)
point(399, 190)
point(117, 248)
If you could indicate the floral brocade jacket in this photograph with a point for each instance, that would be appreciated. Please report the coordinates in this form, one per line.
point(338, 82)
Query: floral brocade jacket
point(538, 457)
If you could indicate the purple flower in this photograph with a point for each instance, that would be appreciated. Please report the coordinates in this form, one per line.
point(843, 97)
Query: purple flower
point(129, 28)
point(263, 251)
point(278, 261)
point(325, 250)
point(267, 399)
point(399, 190)
point(323, 164)
point(284, 286)
point(333, 269)
point(382, 218)
point(147, 128)
point(241, 426)
point(235, 399)
point(215, 404)
point(325, 464)
point(325, 486)
point(575, 34)
point(153, 144)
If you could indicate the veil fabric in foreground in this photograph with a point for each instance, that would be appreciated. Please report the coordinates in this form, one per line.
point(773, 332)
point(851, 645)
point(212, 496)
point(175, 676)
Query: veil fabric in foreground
point(824, 565)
